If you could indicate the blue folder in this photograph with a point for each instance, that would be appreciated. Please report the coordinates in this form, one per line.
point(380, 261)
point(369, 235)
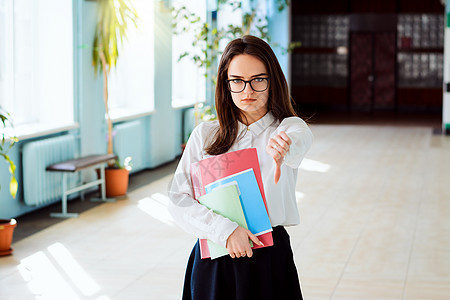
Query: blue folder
point(251, 200)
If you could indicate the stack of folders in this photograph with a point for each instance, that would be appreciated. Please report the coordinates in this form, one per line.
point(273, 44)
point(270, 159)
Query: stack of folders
point(231, 185)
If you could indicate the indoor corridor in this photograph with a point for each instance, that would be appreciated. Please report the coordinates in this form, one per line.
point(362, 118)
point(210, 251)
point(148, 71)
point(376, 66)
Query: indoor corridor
point(375, 224)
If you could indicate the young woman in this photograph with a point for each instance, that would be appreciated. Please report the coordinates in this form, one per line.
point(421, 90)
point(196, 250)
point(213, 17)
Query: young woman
point(254, 111)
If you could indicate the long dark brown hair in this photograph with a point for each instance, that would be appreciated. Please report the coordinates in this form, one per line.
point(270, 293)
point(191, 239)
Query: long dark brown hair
point(228, 114)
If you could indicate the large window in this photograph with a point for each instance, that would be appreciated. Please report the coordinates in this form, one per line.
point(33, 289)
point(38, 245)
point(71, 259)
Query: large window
point(131, 82)
point(36, 62)
point(188, 80)
point(420, 42)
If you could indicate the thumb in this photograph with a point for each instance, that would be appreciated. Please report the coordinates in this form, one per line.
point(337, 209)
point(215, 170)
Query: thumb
point(277, 171)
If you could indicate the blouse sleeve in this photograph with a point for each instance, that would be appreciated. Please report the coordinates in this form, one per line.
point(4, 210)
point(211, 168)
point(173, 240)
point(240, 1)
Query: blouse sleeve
point(190, 215)
point(301, 137)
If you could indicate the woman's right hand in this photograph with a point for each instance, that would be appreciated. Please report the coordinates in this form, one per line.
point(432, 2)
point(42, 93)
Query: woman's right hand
point(278, 147)
point(238, 244)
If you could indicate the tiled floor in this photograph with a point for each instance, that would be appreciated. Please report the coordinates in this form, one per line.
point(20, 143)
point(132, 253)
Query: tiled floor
point(375, 209)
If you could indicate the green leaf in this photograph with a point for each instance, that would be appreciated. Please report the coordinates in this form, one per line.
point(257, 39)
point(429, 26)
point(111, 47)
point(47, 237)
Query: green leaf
point(112, 25)
point(13, 186)
point(12, 168)
point(183, 55)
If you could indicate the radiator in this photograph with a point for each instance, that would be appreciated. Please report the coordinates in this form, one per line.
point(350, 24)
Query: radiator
point(41, 187)
point(129, 140)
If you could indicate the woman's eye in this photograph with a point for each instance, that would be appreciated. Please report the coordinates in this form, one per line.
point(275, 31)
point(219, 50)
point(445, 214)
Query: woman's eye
point(258, 79)
point(237, 81)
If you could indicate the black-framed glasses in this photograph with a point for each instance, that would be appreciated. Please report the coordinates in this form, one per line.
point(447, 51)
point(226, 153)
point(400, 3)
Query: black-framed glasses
point(258, 84)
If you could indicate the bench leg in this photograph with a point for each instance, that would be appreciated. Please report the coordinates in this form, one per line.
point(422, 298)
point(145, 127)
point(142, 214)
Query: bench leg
point(64, 213)
point(103, 188)
point(103, 185)
point(82, 194)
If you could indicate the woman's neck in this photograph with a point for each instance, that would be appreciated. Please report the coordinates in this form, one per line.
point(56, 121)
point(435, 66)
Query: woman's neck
point(248, 118)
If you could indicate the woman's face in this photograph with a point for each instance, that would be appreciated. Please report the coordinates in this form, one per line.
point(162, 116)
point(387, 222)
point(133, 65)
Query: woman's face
point(253, 104)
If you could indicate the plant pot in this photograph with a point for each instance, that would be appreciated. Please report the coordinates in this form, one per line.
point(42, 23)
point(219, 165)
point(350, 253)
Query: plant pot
point(6, 235)
point(116, 182)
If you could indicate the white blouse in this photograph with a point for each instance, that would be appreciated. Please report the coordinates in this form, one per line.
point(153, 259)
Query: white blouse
point(203, 223)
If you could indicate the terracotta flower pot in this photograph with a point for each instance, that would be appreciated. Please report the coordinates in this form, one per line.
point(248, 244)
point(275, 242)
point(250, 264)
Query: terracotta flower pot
point(6, 235)
point(116, 182)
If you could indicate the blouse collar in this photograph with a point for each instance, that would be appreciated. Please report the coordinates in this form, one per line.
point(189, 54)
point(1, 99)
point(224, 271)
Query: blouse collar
point(259, 126)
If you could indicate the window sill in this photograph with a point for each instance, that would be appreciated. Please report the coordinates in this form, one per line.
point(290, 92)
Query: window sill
point(33, 130)
point(125, 114)
point(183, 104)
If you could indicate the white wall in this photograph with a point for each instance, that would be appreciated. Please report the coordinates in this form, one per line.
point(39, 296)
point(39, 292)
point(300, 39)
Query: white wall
point(446, 96)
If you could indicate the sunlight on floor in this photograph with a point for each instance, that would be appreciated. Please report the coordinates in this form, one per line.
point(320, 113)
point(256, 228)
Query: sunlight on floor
point(45, 281)
point(156, 207)
point(43, 278)
point(314, 166)
point(85, 283)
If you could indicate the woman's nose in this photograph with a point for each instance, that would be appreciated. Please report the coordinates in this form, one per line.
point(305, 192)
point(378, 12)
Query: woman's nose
point(248, 88)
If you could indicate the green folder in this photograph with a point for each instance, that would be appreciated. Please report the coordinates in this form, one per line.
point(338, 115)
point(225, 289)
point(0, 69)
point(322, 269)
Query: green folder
point(224, 201)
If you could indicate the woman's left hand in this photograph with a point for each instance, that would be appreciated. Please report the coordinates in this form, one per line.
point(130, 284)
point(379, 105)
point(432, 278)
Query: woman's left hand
point(277, 147)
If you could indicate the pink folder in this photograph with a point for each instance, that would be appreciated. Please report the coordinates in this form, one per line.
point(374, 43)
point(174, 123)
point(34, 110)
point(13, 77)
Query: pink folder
point(214, 168)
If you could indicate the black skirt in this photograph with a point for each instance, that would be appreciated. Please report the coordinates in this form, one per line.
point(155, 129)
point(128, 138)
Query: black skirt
point(269, 274)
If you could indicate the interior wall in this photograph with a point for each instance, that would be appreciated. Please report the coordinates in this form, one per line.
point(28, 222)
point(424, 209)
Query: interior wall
point(160, 131)
point(164, 125)
point(446, 89)
point(279, 31)
point(89, 103)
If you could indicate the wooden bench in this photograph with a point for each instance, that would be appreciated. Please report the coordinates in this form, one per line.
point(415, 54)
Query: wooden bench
point(75, 165)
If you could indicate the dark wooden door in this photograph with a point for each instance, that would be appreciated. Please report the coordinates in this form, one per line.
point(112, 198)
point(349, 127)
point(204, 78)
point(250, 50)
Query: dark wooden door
point(372, 69)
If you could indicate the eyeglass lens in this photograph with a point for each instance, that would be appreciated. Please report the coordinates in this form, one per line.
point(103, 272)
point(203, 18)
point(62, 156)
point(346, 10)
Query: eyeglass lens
point(257, 84)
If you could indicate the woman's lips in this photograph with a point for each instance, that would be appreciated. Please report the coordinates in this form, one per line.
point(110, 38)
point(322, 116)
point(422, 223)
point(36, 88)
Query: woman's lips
point(248, 100)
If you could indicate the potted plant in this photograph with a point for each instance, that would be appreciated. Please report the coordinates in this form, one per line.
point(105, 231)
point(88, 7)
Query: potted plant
point(7, 142)
point(116, 178)
point(114, 18)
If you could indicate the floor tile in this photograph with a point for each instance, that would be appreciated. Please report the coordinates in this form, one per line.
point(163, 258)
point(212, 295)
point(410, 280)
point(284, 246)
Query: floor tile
point(375, 224)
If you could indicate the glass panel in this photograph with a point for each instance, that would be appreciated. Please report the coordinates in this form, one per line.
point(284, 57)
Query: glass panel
point(131, 81)
point(321, 31)
point(420, 31)
point(420, 70)
point(317, 69)
point(188, 90)
point(3, 52)
point(36, 70)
